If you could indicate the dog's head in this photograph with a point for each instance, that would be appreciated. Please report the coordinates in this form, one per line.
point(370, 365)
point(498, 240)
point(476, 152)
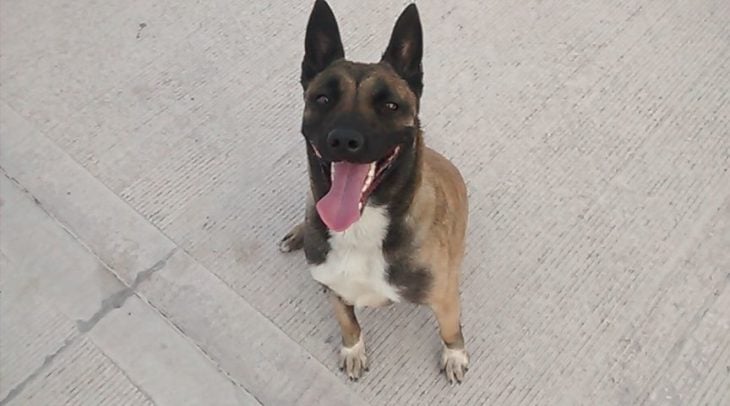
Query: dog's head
point(360, 120)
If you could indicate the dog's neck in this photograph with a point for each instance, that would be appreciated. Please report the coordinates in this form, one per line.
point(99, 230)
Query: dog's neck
point(409, 178)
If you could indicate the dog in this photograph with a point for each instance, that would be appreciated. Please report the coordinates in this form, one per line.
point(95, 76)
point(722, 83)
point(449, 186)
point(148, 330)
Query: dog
point(386, 216)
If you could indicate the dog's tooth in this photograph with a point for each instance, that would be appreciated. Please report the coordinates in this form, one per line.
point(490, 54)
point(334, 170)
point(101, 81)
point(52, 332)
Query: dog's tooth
point(369, 178)
point(367, 183)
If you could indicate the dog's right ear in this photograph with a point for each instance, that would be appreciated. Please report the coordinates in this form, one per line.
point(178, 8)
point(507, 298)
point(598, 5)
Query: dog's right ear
point(322, 45)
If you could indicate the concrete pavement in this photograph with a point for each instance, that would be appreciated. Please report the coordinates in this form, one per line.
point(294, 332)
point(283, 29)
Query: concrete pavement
point(151, 160)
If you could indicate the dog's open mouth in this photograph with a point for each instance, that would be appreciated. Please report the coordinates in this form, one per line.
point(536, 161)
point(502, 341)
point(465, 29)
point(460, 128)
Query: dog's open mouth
point(351, 185)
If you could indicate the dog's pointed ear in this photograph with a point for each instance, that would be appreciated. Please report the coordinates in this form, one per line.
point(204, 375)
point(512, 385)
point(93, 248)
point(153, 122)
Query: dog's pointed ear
point(405, 49)
point(322, 45)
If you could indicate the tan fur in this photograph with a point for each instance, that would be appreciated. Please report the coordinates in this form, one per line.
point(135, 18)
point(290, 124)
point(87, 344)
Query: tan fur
point(439, 215)
point(345, 315)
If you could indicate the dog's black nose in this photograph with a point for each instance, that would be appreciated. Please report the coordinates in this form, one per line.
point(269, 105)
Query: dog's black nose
point(345, 142)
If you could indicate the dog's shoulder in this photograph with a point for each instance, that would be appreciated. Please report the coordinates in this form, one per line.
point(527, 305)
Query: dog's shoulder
point(443, 174)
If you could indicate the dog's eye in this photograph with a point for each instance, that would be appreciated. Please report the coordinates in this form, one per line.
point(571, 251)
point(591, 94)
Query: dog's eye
point(391, 106)
point(322, 99)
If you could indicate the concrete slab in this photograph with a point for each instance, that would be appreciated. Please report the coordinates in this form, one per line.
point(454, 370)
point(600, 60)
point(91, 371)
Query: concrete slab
point(80, 374)
point(161, 360)
point(699, 374)
point(696, 368)
point(594, 138)
point(31, 332)
point(49, 282)
point(128, 245)
point(72, 333)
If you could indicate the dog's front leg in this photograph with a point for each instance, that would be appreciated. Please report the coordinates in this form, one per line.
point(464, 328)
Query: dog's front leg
point(293, 240)
point(454, 359)
point(353, 359)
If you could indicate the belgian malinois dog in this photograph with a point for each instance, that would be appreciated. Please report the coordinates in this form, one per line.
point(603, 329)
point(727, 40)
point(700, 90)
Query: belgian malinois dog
point(386, 216)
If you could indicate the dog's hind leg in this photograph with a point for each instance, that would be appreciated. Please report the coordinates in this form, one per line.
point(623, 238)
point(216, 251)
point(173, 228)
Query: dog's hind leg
point(293, 240)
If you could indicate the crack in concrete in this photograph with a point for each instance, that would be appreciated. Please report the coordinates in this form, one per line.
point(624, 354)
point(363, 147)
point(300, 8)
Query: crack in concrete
point(13, 393)
point(114, 301)
point(118, 299)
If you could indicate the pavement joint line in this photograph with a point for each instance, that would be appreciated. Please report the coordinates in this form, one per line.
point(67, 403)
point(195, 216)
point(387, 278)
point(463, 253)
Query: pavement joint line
point(35, 200)
point(202, 350)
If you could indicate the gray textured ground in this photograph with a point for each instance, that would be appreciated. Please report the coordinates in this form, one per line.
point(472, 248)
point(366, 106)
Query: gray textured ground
point(151, 159)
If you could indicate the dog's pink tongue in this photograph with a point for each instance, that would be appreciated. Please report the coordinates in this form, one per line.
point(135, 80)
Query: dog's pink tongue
point(339, 208)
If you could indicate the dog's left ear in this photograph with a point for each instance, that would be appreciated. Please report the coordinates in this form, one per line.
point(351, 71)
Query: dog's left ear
point(322, 44)
point(405, 49)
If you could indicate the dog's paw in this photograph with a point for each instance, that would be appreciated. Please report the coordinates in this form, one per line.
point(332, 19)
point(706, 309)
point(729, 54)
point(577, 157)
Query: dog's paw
point(353, 360)
point(293, 241)
point(454, 364)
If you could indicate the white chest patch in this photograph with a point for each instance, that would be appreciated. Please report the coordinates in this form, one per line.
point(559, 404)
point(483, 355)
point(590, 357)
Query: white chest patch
point(355, 268)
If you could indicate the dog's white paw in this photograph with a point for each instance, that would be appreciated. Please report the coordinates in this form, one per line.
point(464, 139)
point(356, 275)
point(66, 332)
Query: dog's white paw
point(353, 360)
point(454, 363)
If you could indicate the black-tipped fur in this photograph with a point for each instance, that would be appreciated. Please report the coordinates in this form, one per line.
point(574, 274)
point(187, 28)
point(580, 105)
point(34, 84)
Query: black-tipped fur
point(405, 49)
point(322, 44)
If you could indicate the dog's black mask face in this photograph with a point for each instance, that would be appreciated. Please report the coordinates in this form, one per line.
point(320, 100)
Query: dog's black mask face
point(360, 120)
